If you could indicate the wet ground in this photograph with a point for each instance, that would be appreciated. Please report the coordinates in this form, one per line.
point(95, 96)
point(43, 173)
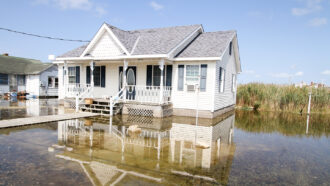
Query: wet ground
point(242, 148)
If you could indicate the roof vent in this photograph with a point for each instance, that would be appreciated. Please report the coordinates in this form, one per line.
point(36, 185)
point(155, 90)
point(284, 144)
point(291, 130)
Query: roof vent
point(5, 54)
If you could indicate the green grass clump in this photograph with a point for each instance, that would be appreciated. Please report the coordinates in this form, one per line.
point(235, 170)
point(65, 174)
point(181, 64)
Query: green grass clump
point(282, 97)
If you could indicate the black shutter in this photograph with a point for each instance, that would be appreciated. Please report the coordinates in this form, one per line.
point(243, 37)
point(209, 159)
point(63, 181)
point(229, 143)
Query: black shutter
point(180, 76)
point(149, 75)
point(169, 75)
point(203, 77)
point(102, 76)
point(77, 74)
point(230, 47)
point(88, 75)
point(220, 74)
point(120, 78)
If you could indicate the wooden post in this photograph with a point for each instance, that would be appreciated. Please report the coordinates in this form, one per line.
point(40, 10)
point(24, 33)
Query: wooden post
point(161, 67)
point(309, 102)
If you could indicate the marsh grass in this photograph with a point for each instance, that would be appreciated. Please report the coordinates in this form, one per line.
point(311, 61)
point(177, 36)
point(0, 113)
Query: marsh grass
point(282, 98)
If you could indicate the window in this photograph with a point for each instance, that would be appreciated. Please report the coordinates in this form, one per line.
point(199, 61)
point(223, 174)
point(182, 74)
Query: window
point(221, 79)
point(154, 75)
point(233, 85)
point(21, 80)
point(52, 82)
point(72, 74)
point(192, 74)
point(98, 75)
point(230, 47)
point(3, 79)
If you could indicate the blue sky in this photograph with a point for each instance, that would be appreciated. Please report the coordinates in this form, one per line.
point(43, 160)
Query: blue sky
point(280, 41)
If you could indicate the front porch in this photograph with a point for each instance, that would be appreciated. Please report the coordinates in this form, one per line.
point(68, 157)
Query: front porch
point(118, 83)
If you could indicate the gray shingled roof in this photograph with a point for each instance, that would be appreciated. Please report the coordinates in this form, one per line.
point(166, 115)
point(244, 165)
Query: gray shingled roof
point(158, 40)
point(208, 44)
point(163, 40)
point(17, 65)
point(75, 52)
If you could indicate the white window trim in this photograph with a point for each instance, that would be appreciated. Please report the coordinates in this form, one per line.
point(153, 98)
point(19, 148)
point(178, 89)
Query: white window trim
point(222, 80)
point(75, 77)
point(234, 84)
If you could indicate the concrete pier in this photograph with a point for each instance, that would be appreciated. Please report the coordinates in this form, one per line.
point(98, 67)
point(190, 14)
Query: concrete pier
point(43, 119)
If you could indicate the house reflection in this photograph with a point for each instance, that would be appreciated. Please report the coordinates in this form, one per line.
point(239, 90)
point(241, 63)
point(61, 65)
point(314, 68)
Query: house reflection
point(164, 148)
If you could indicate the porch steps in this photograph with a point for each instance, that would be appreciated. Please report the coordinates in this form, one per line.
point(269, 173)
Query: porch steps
point(101, 107)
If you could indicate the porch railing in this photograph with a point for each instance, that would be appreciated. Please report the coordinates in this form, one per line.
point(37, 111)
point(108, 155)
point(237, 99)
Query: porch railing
point(148, 94)
point(74, 89)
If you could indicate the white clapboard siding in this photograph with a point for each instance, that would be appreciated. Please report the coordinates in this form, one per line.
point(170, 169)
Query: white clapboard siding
point(188, 100)
point(228, 97)
point(105, 47)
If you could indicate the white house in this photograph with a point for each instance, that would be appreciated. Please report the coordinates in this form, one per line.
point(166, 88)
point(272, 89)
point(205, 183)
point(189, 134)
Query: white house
point(154, 72)
point(28, 75)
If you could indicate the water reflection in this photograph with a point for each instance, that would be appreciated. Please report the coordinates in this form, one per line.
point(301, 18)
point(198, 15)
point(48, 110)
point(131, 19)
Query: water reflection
point(10, 109)
point(171, 150)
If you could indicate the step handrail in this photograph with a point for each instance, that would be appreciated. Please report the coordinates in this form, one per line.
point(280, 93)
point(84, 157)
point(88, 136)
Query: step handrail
point(115, 99)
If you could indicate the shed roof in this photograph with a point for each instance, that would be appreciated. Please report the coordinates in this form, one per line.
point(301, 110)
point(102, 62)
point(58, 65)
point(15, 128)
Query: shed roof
point(17, 65)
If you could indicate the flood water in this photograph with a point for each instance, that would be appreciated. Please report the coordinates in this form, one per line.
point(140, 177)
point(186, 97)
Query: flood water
point(241, 148)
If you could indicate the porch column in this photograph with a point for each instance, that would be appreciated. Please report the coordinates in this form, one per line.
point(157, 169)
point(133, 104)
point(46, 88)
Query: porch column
point(124, 77)
point(66, 78)
point(161, 67)
point(92, 65)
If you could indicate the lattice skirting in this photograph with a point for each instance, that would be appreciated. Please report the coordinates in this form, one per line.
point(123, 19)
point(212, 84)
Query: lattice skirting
point(148, 110)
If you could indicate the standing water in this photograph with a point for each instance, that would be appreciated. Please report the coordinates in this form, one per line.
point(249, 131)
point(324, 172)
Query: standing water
point(242, 148)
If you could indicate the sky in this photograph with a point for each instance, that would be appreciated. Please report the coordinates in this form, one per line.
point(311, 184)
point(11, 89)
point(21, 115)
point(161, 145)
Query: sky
point(280, 41)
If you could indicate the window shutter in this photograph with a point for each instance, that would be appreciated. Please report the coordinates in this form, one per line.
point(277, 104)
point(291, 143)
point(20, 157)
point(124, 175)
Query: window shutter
point(102, 76)
point(203, 77)
point(220, 76)
point(169, 75)
point(88, 75)
point(180, 77)
point(77, 74)
point(149, 75)
point(230, 47)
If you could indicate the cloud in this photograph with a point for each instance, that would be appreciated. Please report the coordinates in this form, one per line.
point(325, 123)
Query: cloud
point(326, 72)
point(86, 5)
point(156, 6)
point(318, 22)
point(310, 7)
point(287, 75)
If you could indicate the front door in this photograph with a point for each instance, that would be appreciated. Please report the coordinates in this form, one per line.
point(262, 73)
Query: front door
point(131, 81)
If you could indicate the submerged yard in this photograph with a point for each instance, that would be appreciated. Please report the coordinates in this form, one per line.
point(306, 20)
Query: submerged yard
point(244, 147)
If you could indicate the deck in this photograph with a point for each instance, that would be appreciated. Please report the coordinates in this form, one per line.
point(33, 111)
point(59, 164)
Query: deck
point(43, 119)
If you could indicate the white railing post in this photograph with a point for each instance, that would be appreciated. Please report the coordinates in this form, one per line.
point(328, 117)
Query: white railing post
point(65, 78)
point(161, 66)
point(77, 103)
point(92, 65)
point(124, 77)
point(111, 107)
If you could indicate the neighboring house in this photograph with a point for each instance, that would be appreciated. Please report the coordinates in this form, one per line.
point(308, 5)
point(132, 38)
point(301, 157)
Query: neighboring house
point(29, 75)
point(149, 67)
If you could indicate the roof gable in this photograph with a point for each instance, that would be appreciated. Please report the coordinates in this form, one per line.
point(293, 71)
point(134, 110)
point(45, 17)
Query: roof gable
point(104, 41)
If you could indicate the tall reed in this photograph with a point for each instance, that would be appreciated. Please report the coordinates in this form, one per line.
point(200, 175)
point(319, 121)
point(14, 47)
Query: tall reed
point(283, 97)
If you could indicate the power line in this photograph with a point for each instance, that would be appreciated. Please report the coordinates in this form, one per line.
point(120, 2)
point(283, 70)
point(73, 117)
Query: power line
point(45, 37)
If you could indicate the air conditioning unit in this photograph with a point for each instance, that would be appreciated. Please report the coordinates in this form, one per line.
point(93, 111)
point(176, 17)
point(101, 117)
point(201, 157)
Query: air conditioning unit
point(191, 88)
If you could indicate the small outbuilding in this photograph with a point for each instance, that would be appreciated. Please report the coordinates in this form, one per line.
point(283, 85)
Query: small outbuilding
point(28, 75)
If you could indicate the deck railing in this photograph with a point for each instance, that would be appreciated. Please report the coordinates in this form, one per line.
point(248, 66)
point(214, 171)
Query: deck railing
point(148, 94)
point(74, 89)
